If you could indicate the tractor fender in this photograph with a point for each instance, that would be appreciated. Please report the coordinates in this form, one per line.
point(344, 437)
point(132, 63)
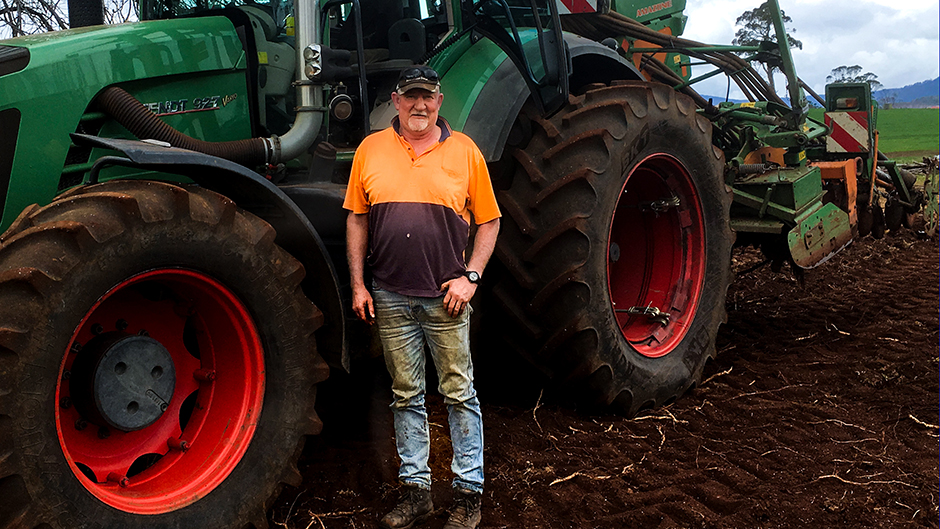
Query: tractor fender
point(501, 99)
point(255, 194)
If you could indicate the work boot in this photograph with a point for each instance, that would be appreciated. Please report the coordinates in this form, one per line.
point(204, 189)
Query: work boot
point(413, 507)
point(466, 512)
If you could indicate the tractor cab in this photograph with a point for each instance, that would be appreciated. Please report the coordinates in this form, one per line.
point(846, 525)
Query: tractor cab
point(364, 44)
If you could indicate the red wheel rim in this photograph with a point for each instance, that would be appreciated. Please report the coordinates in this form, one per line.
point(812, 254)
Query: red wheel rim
point(216, 401)
point(656, 255)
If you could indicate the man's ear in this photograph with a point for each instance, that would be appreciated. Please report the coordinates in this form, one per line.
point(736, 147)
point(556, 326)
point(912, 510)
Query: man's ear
point(440, 99)
point(396, 99)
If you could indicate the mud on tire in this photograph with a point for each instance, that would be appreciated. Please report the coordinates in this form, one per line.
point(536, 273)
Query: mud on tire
point(617, 207)
point(201, 286)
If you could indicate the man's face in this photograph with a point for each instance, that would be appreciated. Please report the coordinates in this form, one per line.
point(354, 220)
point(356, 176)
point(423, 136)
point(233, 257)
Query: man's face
point(417, 109)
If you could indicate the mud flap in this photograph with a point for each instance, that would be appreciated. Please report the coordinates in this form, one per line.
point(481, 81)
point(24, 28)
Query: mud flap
point(819, 235)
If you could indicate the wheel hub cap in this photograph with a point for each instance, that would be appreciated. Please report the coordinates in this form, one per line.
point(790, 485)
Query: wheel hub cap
point(132, 380)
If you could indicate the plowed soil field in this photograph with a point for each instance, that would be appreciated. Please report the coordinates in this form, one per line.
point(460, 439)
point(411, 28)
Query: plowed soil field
point(821, 410)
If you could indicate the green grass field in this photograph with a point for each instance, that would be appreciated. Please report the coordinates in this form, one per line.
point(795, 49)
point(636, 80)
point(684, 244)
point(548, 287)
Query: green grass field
point(905, 134)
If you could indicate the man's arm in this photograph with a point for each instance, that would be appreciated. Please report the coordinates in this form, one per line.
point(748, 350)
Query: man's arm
point(483, 245)
point(357, 244)
point(460, 290)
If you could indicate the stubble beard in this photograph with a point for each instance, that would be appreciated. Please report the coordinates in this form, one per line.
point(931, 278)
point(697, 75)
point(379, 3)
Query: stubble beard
point(418, 123)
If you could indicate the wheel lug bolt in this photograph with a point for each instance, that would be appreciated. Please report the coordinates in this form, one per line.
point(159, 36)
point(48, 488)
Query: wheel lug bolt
point(66, 375)
point(97, 329)
point(143, 332)
point(114, 477)
point(65, 403)
point(177, 444)
point(204, 375)
point(81, 424)
point(121, 324)
point(103, 433)
point(76, 347)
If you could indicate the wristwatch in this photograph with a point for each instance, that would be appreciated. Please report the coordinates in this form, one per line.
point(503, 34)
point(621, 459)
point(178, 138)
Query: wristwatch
point(472, 276)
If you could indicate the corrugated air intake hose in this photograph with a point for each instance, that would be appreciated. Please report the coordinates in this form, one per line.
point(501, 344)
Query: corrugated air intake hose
point(144, 124)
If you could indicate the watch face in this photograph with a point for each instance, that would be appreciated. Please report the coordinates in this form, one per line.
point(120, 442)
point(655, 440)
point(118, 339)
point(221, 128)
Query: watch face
point(473, 276)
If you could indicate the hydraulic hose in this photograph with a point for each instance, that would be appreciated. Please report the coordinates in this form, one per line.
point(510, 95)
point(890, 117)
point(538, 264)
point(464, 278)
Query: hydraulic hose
point(598, 27)
point(144, 124)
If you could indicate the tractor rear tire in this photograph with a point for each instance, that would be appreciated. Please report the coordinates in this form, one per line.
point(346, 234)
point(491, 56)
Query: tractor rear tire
point(614, 252)
point(158, 282)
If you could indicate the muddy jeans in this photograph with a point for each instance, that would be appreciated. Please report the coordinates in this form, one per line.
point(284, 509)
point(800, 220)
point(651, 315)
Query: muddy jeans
point(405, 325)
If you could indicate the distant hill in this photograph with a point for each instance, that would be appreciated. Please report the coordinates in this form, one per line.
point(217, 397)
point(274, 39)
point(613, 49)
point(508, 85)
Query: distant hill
point(917, 95)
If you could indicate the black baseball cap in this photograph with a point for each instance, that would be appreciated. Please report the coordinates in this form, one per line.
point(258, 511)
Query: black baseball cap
point(421, 77)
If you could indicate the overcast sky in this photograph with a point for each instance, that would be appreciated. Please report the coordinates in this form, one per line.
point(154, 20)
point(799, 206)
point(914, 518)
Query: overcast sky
point(897, 40)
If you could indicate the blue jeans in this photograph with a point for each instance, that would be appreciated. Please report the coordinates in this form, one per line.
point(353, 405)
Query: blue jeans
point(405, 325)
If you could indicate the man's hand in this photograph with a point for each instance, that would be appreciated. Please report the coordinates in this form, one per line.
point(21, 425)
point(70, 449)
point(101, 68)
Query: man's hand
point(362, 305)
point(457, 293)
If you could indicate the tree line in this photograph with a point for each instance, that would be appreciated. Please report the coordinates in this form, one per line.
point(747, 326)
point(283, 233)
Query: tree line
point(756, 26)
point(27, 17)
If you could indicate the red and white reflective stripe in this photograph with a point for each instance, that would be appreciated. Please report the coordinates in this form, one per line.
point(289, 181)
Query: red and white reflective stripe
point(849, 132)
point(571, 7)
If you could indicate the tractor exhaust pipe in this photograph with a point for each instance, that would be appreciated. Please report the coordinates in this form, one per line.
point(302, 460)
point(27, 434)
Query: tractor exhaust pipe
point(85, 13)
point(309, 96)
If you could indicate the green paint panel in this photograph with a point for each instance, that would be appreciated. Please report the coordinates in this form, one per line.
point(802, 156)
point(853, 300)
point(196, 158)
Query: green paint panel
point(819, 236)
point(465, 79)
point(67, 69)
point(444, 61)
point(211, 105)
point(649, 10)
point(792, 188)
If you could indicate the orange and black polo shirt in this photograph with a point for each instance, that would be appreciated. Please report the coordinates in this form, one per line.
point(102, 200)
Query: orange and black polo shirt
point(420, 207)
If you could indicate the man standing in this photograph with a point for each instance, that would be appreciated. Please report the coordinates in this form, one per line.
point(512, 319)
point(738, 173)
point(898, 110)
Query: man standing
point(413, 190)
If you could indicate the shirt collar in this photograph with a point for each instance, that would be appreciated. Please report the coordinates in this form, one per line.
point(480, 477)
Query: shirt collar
point(441, 122)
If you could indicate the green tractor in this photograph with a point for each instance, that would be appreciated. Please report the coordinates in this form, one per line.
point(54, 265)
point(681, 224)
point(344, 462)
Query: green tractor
point(173, 284)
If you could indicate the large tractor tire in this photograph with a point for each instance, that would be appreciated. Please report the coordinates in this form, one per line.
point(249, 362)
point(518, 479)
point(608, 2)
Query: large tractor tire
point(616, 245)
point(157, 362)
